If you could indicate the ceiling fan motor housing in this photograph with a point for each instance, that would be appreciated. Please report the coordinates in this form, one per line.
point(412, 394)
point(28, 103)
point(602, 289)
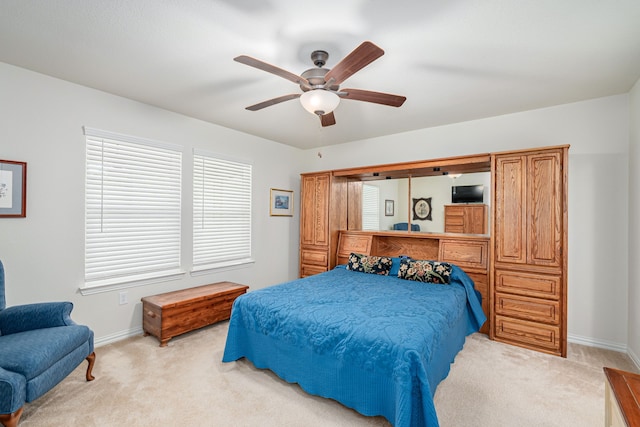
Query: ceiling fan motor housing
point(315, 76)
point(319, 58)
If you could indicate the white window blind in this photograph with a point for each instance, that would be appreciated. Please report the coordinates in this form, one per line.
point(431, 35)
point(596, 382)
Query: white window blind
point(221, 211)
point(370, 207)
point(132, 208)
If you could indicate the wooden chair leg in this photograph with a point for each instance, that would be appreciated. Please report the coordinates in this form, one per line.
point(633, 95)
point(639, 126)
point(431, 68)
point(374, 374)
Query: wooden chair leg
point(11, 420)
point(91, 359)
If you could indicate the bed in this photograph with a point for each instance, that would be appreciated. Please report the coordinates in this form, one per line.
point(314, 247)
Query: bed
point(376, 343)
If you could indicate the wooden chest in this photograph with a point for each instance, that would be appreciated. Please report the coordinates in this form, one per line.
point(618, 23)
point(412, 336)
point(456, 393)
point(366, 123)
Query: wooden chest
point(173, 313)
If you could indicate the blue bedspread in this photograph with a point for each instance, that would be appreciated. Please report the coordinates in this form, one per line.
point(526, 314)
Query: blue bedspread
point(378, 344)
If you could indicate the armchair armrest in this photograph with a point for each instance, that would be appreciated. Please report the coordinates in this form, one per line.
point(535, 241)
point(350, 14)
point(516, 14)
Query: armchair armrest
point(28, 317)
point(13, 391)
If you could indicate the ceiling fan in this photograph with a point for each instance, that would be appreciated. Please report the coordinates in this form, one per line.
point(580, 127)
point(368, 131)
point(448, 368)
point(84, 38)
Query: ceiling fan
point(320, 86)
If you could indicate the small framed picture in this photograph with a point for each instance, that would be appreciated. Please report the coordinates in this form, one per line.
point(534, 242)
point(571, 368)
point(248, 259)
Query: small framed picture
point(281, 202)
point(13, 189)
point(388, 208)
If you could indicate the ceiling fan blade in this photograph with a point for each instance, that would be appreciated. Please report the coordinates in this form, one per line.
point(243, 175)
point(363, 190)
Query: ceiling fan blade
point(328, 119)
point(261, 65)
point(362, 56)
point(272, 101)
point(376, 97)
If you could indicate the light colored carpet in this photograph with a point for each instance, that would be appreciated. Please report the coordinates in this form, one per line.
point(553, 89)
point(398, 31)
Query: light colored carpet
point(185, 384)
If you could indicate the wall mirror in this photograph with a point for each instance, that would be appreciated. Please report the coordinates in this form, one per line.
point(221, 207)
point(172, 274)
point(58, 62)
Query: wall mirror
point(400, 199)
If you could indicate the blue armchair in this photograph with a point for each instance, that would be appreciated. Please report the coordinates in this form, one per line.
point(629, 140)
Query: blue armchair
point(405, 226)
point(39, 346)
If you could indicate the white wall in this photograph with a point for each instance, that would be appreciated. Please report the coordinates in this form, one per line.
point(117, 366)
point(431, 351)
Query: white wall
point(41, 120)
point(598, 131)
point(634, 224)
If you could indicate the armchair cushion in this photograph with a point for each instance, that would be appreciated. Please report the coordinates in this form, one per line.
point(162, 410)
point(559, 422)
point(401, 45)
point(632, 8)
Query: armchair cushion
point(24, 352)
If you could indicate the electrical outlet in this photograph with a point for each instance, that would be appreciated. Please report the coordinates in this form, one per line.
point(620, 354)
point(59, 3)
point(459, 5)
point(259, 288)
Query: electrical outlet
point(123, 298)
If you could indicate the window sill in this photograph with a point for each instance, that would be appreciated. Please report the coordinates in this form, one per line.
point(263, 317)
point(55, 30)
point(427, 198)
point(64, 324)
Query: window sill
point(108, 285)
point(221, 266)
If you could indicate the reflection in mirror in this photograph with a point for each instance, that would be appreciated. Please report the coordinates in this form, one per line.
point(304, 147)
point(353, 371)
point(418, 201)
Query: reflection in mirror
point(370, 203)
point(387, 204)
point(435, 191)
point(389, 208)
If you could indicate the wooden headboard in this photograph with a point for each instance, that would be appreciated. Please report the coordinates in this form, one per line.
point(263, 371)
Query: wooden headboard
point(469, 252)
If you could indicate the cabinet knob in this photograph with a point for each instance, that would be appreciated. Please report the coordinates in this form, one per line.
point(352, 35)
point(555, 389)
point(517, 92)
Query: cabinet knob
point(151, 314)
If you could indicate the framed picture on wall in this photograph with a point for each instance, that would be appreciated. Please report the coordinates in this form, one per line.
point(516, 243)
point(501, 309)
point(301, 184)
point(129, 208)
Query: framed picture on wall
point(422, 209)
point(281, 202)
point(388, 208)
point(13, 189)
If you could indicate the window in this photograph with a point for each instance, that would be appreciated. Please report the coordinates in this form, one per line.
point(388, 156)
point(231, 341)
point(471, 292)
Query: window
point(221, 211)
point(132, 208)
point(370, 207)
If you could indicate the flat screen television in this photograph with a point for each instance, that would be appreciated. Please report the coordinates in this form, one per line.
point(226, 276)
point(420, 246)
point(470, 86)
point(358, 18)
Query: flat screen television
point(467, 194)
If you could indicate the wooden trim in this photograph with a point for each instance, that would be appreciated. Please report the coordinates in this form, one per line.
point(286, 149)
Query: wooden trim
point(565, 248)
point(420, 168)
point(492, 252)
point(533, 150)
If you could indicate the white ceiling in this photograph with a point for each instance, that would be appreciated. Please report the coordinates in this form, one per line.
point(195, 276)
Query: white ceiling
point(454, 60)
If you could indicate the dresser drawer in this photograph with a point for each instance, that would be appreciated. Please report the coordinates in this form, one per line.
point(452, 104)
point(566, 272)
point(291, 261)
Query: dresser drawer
point(528, 334)
point(310, 270)
point(453, 228)
point(465, 253)
point(535, 309)
point(354, 243)
point(455, 220)
point(309, 257)
point(348, 243)
point(528, 284)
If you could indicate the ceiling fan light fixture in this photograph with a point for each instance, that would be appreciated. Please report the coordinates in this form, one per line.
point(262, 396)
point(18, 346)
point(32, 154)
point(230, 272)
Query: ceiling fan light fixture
point(319, 101)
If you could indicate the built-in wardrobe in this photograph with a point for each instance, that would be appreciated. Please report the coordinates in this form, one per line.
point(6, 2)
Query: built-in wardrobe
point(519, 264)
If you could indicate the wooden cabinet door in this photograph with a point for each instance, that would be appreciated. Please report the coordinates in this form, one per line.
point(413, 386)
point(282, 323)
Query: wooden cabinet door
point(510, 209)
point(314, 228)
point(529, 209)
point(307, 221)
point(475, 220)
point(544, 219)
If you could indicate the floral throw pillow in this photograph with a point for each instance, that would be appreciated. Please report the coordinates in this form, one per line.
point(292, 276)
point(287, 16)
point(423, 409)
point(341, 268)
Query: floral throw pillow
point(425, 271)
point(369, 264)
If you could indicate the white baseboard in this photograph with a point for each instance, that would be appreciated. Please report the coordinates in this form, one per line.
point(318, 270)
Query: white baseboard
point(118, 336)
point(607, 345)
point(635, 358)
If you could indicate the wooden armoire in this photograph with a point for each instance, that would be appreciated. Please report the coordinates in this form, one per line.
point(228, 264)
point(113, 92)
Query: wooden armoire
point(529, 286)
point(526, 293)
point(322, 214)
